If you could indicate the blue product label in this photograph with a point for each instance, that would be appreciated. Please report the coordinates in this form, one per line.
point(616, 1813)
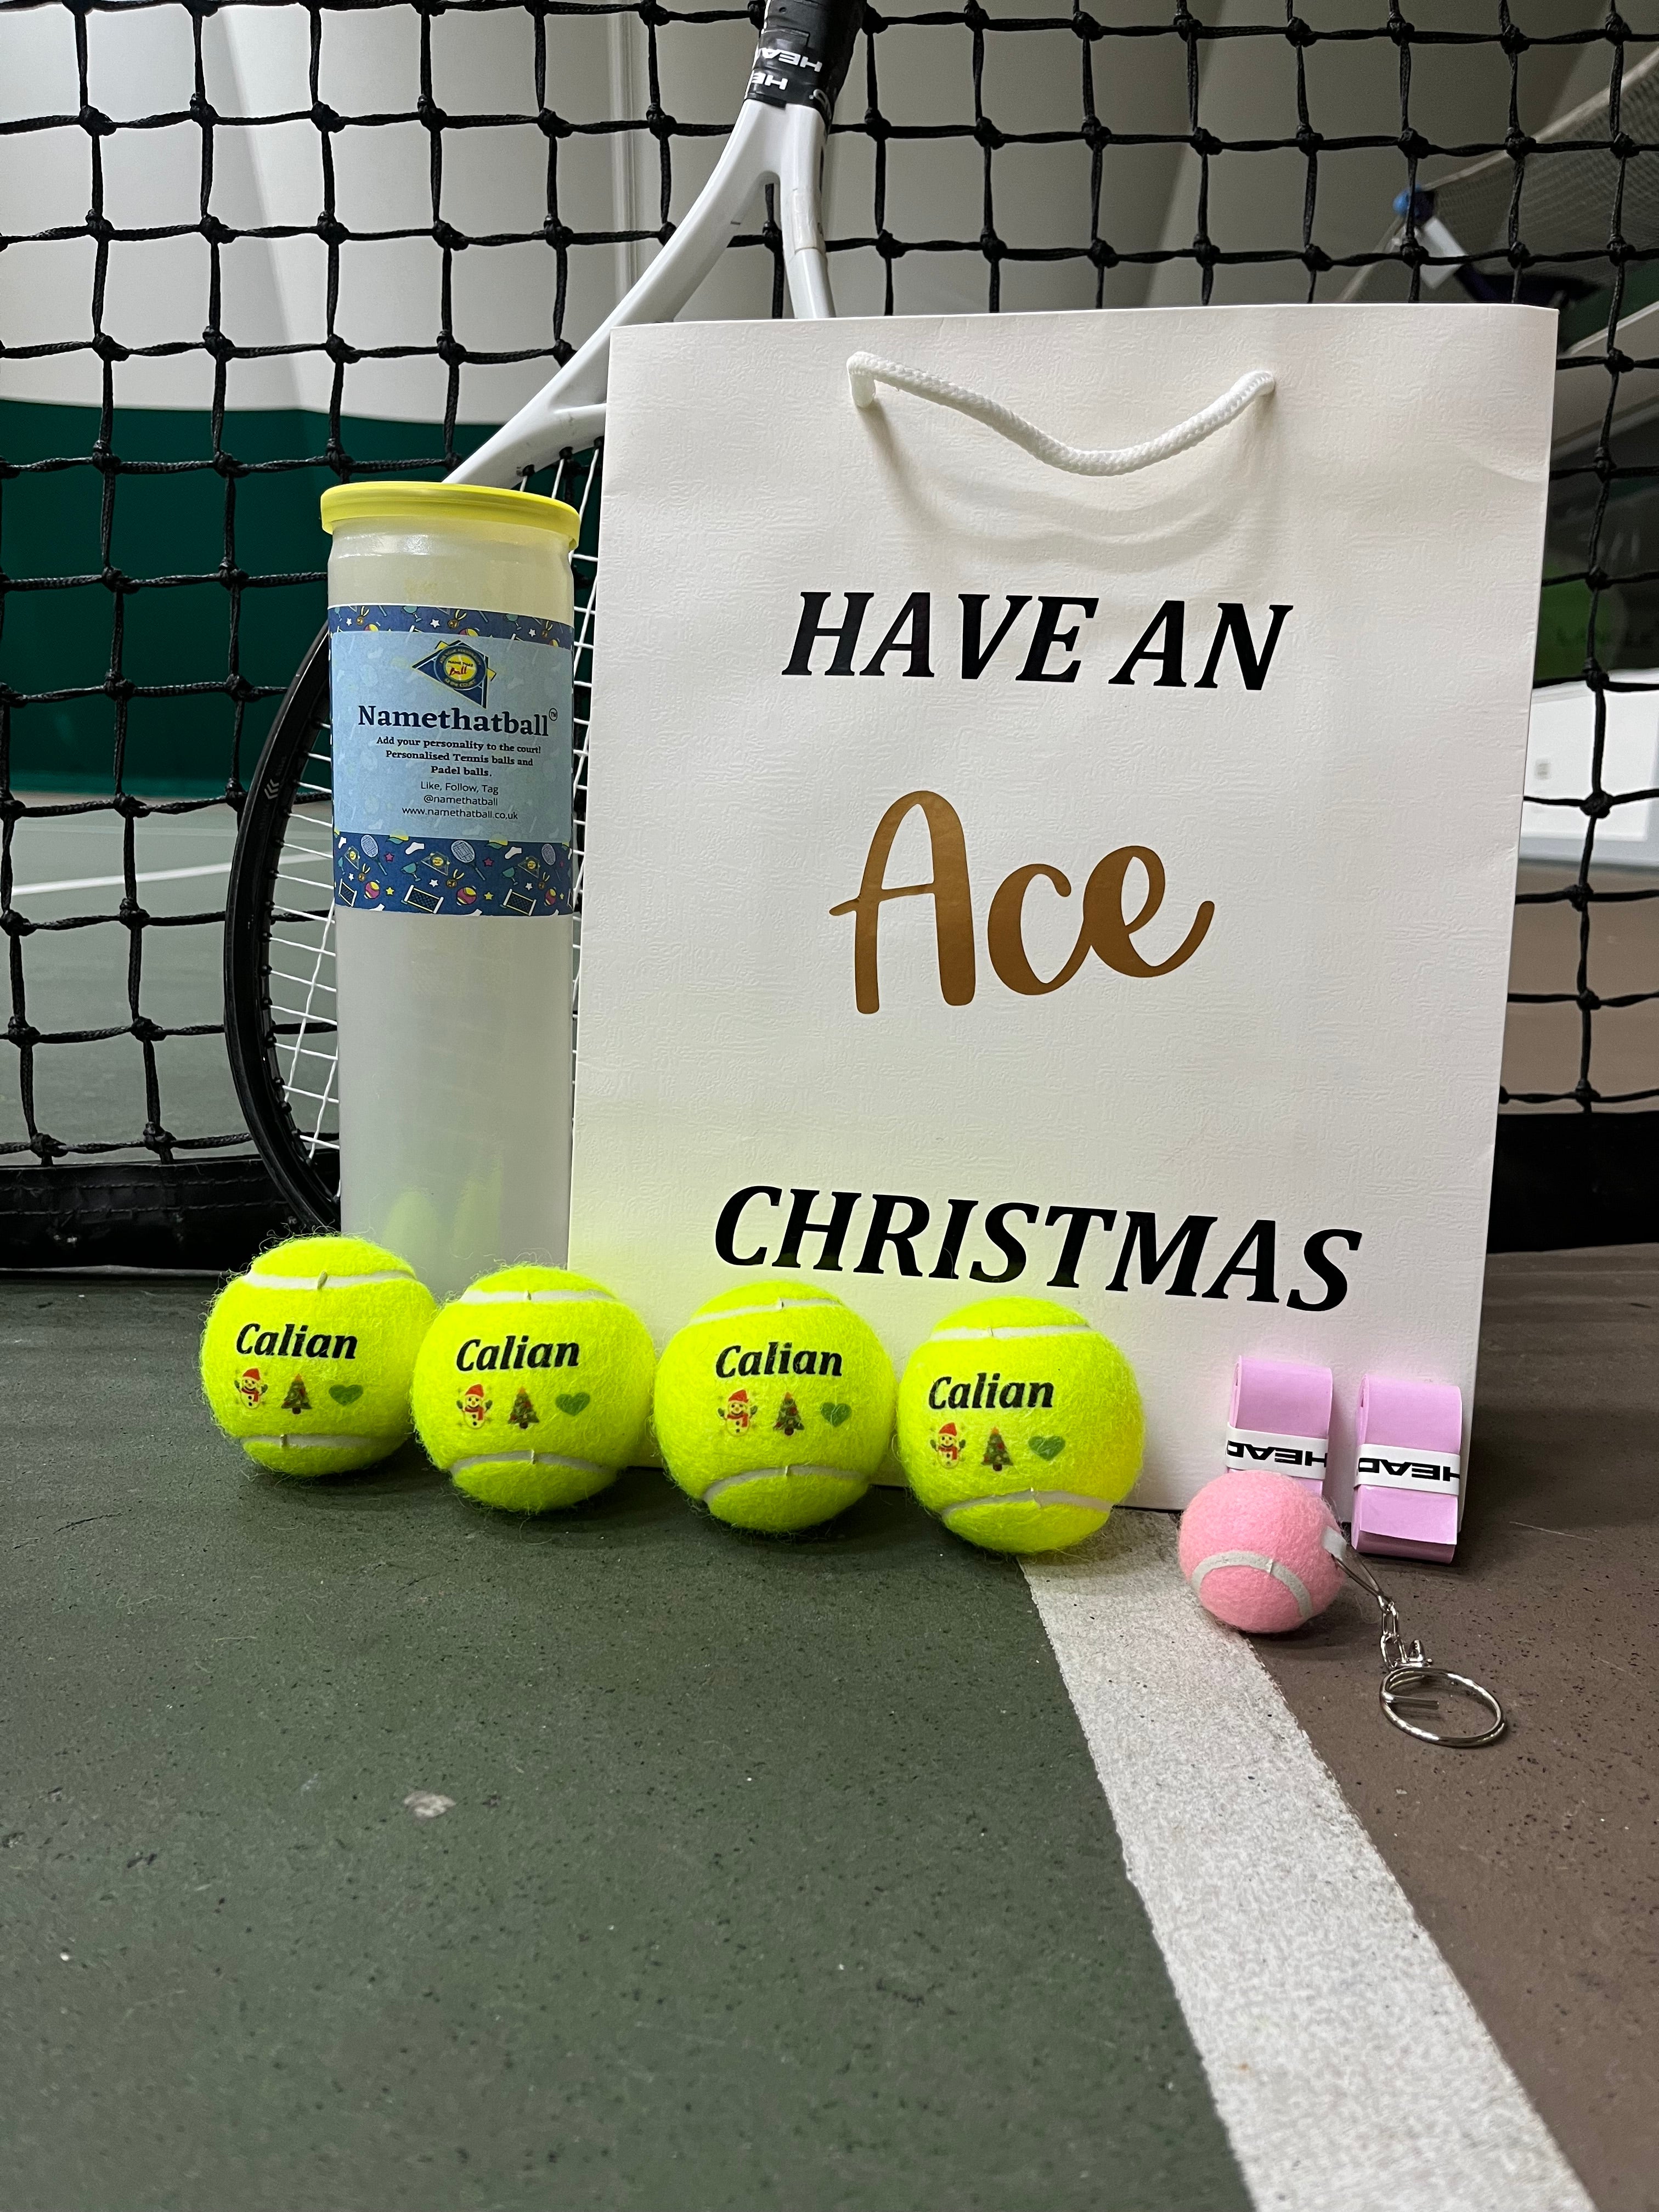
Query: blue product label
point(451, 760)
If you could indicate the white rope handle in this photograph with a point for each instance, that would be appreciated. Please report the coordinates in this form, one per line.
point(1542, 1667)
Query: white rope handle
point(866, 370)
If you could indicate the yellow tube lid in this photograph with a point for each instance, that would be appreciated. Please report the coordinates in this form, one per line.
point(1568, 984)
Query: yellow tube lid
point(431, 506)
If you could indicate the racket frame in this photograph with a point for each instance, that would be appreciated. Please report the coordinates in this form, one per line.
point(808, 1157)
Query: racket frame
point(778, 139)
point(782, 146)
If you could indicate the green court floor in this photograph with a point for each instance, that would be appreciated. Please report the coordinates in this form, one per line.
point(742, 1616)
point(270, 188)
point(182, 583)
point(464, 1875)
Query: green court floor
point(776, 1875)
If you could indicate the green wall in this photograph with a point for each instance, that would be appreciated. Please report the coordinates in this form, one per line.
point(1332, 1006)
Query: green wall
point(168, 519)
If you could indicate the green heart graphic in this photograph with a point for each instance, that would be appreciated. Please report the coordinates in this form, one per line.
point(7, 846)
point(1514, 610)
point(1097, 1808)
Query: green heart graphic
point(1047, 1447)
point(345, 1394)
point(575, 1403)
point(837, 1414)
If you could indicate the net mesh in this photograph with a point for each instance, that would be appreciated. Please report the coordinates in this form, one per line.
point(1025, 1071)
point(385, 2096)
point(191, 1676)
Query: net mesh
point(1575, 191)
point(344, 239)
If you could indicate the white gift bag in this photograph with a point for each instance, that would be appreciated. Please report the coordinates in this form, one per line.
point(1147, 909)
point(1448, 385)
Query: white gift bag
point(1090, 887)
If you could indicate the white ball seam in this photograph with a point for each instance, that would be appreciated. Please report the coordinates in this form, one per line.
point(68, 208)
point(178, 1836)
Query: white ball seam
point(1261, 1563)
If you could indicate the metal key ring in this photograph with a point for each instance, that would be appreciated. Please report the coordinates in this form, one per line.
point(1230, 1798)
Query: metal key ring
point(1400, 1678)
point(1406, 1665)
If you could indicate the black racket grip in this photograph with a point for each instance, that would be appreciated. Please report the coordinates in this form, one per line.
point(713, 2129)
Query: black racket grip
point(804, 52)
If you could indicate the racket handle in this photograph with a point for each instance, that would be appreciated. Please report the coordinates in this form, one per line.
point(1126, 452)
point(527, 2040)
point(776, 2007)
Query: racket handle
point(806, 50)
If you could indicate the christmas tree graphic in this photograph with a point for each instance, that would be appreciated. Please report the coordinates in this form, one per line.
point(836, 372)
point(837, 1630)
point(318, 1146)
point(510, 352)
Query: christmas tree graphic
point(297, 1401)
point(524, 1414)
point(997, 1454)
point(789, 1419)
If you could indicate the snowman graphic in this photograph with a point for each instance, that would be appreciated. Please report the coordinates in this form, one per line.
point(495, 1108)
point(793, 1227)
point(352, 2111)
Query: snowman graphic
point(252, 1386)
point(473, 1406)
point(948, 1443)
point(739, 1413)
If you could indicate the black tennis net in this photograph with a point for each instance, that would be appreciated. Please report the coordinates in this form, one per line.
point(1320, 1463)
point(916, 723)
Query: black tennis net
point(445, 198)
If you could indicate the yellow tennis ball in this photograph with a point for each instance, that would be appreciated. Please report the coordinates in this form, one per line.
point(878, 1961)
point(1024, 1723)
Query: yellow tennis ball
point(533, 1388)
point(307, 1358)
point(1019, 1424)
point(774, 1406)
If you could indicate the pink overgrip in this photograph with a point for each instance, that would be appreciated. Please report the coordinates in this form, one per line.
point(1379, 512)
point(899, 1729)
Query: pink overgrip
point(1409, 1475)
point(1280, 1419)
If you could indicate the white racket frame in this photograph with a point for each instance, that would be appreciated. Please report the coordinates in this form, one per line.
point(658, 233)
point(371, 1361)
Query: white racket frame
point(772, 142)
point(782, 146)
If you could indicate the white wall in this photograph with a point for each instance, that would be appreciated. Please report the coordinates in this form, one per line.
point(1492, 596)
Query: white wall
point(1459, 95)
point(256, 62)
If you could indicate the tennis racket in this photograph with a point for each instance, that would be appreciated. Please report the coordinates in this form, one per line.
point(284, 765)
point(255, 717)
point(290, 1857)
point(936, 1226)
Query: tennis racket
point(280, 1027)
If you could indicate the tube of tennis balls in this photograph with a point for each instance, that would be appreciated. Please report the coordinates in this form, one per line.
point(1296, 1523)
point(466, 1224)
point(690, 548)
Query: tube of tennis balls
point(450, 646)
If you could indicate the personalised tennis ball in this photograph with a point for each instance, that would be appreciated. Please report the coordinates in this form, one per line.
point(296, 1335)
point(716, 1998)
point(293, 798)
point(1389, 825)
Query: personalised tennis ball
point(533, 1388)
point(307, 1358)
point(1019, 1424)
point(773, 1406)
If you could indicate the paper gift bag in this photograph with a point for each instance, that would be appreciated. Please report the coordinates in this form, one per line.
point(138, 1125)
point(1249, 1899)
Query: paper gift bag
point(1097, 887)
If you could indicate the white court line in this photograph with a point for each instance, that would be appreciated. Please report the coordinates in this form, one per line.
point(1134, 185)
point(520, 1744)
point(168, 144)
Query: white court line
point(114, 883)
point(1349, 2067)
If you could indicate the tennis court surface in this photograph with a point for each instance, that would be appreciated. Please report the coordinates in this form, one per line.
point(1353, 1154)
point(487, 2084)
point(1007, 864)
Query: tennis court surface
point(793, 1873)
